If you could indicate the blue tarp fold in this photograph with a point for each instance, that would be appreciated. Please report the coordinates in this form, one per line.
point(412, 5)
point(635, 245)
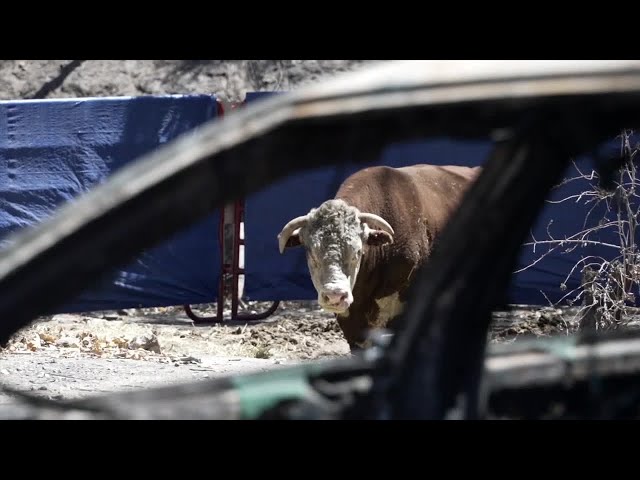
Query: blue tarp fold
point(51, 151)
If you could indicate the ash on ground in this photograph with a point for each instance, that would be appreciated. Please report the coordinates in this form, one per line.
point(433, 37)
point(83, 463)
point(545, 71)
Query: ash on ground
point(296, 331)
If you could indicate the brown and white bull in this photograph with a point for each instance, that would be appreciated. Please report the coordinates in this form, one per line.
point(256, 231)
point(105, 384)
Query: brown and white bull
point(364, 245)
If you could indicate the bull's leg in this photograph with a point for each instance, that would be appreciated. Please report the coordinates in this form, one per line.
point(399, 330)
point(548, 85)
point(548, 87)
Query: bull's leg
point(356, 324)
point(354, 329)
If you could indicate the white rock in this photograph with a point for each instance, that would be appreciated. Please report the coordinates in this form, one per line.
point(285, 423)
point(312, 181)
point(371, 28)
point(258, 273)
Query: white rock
point(147, 341)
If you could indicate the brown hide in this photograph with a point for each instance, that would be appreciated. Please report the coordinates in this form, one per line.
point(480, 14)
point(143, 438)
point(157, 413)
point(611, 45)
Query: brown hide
point(416, 201)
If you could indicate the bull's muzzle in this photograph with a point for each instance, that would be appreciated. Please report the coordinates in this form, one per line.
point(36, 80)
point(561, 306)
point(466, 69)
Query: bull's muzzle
point(336, 300)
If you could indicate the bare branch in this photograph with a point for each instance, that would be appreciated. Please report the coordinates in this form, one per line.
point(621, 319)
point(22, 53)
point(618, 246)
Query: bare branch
point(536, 261)
point(588, 265)
point(561, 243)
point(607, 284)
point(578, 197)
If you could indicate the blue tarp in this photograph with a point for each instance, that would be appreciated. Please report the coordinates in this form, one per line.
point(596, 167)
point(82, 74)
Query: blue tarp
point(271, 276)
point(51, 151)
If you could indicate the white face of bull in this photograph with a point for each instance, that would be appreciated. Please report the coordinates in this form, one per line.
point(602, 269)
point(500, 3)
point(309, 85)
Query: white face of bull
point(335, 236)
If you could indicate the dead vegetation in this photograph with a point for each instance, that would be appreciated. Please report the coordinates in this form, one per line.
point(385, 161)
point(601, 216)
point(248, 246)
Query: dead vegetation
point(606, 294)
point(298, 331)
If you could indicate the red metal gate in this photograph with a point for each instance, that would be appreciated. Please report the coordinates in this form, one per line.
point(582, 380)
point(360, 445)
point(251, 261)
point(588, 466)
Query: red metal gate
point(232, 269)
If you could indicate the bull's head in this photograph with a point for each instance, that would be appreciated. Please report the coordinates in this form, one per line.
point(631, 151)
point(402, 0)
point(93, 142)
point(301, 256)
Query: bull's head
point(335, 236)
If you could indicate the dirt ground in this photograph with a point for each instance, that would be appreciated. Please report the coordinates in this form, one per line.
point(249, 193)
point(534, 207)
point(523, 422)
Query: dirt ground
point(72, 356)
point(228, 79)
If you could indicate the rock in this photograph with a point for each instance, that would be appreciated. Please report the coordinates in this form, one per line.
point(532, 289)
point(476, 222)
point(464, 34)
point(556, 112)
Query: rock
point(34, 343)
point(147, 341)
point(67, 342)
point(64, 318)
point(188, 359)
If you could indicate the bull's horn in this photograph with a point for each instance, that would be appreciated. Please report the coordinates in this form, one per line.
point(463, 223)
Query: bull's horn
point(375, 220)
point(289, 228)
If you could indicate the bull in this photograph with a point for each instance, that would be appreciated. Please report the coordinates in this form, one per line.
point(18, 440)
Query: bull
point(364, 245)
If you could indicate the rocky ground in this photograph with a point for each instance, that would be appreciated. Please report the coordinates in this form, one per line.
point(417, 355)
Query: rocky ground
point(229, 79)
point(75, 355)
point(69, 356)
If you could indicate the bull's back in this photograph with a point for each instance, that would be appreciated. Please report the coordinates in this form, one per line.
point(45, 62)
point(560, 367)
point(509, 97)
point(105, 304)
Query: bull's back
point(409, 195)
point(439, 189)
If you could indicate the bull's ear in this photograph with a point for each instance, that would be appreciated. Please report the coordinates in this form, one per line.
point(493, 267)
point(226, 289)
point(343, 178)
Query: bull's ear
point(294, 240)
point(376, 238)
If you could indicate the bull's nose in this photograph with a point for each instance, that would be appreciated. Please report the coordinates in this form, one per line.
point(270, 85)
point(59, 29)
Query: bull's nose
point(335, 297)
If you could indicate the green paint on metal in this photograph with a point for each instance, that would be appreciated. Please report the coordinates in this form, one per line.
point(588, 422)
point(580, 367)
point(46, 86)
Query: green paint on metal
point(260, 391)
point(563, 347)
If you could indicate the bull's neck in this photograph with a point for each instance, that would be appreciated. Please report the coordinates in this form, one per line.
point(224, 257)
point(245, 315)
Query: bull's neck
point(345, 196)
point(367, 281)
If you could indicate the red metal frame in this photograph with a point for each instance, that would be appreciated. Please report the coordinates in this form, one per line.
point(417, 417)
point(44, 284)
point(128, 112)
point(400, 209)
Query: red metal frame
point(233, 268)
